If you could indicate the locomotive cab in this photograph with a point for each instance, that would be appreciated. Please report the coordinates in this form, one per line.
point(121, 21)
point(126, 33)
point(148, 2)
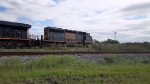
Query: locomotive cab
point(88, 39)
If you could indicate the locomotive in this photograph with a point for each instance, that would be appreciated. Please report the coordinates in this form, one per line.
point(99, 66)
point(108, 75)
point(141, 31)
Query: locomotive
point(14, 34)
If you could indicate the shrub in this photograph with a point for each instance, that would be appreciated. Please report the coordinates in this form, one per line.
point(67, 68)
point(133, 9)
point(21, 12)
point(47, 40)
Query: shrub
point(110, 59)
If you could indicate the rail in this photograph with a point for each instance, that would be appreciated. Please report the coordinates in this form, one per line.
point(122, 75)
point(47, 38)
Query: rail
point(63, 53)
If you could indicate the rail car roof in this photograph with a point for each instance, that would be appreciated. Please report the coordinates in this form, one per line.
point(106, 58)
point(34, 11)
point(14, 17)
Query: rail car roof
point(60, 29)
point(14, 24)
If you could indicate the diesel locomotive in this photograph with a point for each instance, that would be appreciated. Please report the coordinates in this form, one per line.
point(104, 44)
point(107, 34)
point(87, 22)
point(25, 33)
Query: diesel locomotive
point(14, 34)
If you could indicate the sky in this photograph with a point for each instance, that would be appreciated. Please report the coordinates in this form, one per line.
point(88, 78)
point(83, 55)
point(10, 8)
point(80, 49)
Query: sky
point(101, 18)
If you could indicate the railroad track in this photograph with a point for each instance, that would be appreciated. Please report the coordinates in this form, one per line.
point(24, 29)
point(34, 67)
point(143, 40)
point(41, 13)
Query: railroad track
point(64, 52)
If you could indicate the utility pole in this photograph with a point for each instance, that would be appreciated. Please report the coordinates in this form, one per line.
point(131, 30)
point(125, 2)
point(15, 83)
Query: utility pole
point(115, 35)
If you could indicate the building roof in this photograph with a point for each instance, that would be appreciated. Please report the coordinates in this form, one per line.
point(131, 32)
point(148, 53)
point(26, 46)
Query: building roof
point(14, 24)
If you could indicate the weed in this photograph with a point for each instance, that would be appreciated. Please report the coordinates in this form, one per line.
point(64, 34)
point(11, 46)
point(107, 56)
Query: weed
point(70, 70)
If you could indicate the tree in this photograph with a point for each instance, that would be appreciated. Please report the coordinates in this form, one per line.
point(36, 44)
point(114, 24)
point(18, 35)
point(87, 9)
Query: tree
point(110, 41)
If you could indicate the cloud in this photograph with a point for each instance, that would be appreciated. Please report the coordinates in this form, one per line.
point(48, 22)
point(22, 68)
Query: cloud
point(101, 18)
point(137, 11)
point(138, 7)
point(8, 17)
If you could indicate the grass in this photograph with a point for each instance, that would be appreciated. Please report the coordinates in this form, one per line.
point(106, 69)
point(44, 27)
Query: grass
point(120, 47)
point(93, 47)
point(46, 49)
point(71, 70)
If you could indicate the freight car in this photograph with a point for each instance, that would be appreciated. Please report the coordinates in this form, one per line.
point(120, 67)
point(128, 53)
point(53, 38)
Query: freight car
point(17, 35)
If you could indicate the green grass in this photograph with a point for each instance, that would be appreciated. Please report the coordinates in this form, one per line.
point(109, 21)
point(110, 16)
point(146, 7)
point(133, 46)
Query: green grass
point(93, 47)
point(120, 47)
point(46, 49)
point(70, 70)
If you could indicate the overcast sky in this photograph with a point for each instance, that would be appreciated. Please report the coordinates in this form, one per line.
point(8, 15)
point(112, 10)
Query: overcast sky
point(129, 18)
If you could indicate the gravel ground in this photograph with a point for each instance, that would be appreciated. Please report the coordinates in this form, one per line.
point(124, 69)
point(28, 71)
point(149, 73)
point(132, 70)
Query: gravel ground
point(98, 58)
point(115, 58)
point(23, 59)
